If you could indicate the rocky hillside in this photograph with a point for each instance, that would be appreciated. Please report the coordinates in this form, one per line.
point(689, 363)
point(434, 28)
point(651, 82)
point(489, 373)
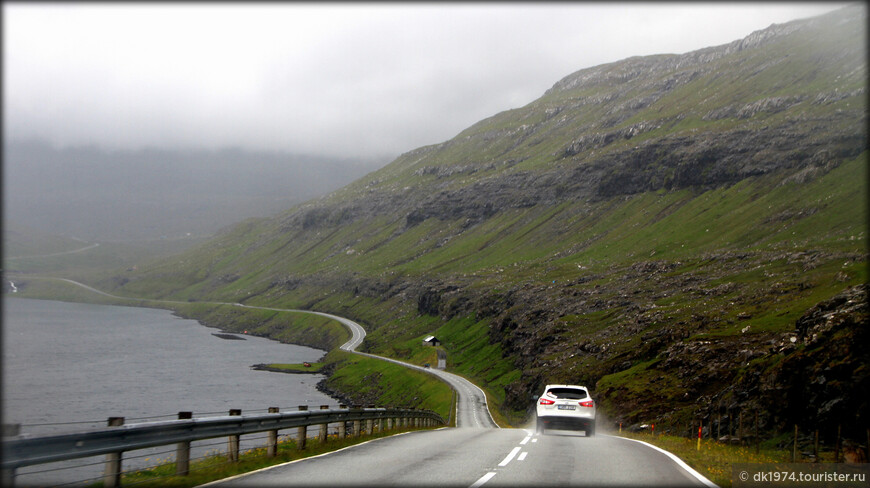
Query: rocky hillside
point(673, 230)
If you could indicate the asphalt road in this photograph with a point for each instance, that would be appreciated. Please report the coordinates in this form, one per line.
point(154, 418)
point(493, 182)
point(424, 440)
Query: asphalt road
point(474, 457)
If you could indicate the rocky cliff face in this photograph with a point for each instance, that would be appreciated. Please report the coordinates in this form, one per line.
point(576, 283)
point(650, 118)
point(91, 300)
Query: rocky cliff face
point(823, 371)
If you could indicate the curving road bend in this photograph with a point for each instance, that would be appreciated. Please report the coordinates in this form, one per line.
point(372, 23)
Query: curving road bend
point(471, 407)
point(475, 455)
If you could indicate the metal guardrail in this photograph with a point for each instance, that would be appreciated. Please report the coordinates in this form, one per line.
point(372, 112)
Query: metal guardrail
point(113, 441)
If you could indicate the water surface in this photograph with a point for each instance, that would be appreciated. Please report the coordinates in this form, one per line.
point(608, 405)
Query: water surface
point(70, 366)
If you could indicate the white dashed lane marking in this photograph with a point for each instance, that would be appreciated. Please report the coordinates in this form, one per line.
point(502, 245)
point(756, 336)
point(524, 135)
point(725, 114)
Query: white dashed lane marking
point(483, 479)
point(509, 457)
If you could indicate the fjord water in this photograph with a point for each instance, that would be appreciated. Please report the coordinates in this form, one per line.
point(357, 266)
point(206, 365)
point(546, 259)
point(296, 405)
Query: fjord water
point(66, 363)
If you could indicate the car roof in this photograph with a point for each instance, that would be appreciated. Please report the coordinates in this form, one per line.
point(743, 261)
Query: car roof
point(564, 386)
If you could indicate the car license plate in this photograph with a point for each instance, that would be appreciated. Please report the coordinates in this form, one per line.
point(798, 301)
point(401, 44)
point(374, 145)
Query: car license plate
point(566, 407)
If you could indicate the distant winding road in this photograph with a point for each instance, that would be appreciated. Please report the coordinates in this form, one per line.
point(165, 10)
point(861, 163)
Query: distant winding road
point(63, 253)
point(476, 454)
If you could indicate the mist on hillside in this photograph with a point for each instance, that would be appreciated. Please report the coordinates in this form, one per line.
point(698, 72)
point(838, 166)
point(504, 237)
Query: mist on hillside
point(92, 194)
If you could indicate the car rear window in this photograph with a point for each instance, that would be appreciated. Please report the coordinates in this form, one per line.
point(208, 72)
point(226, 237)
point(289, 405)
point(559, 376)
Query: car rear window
point(568, 393)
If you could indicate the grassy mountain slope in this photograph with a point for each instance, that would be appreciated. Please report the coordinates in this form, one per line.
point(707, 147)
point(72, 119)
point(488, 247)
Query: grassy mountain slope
point(657, 227)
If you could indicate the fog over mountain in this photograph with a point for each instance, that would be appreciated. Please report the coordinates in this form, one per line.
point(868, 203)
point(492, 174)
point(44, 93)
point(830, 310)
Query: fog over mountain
point(276, 81)
point(94, 194)
point(343, 79)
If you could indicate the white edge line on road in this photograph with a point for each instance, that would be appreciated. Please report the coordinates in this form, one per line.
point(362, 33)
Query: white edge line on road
point(509, 457)
point(677, 460)
point(523, 456)
point(483, 479)
point(267, 468)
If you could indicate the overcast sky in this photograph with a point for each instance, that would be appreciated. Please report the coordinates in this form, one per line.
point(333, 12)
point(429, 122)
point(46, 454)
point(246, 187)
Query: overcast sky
point(352, 79)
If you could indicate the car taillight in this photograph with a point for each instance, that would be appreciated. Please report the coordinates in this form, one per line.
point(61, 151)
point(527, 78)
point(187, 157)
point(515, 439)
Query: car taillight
point(544, 401)
point(587, 404)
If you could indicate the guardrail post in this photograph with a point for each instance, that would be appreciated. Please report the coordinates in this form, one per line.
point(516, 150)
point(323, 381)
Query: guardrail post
point(7, 476)
point(381, 423)
point(342, 426)
point(324, 427)
point(11, 430)
point(182, 450)
point(389, 423)
point(112, 473)
point(370, 423)
point(272, 437)
point(301, 431)
point(233, 441)
point(356, 423)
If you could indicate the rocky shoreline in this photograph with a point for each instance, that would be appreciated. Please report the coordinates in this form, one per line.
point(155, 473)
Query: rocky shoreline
point(229, 337)
point(341, 397)
point(266, 367)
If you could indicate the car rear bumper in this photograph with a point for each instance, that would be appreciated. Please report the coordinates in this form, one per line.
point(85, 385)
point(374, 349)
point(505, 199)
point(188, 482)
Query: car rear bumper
point(560, 422)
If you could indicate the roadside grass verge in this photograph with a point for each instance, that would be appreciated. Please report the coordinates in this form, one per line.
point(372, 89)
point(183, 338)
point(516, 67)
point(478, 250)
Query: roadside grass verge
point(216, 466)
point(382, 383)
point(301, 328)
point(292, 367)
point(713, 459)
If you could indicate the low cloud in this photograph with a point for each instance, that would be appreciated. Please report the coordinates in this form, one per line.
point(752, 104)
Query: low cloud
point(337, 79)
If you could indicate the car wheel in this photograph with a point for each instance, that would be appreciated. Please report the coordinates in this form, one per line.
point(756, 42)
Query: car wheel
point(590, 430)
point(539, 427)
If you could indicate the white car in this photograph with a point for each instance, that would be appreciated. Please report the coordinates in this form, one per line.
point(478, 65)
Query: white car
point(566, 407)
